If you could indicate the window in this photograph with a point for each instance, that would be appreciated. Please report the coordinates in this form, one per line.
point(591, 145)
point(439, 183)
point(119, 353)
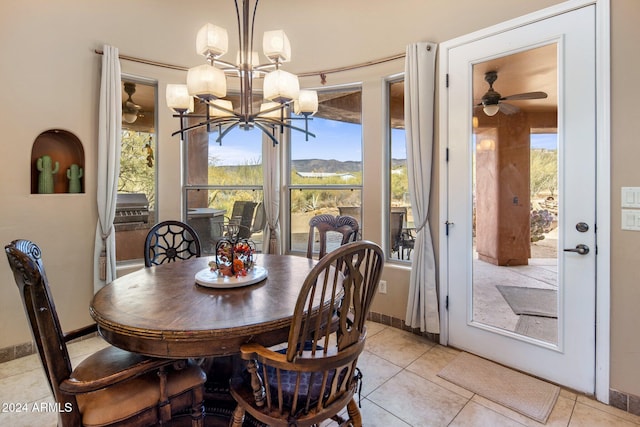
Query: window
point(137, 164)
point(219, 178)
point(325, 172)
point(138, 171)
point(400, 216)
point(137, 156)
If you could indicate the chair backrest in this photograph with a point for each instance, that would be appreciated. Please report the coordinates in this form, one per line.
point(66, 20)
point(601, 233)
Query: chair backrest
point(169, 241)
point(354, 211)
point(350, 274)
point(326, 224)
point(396, 224)
point(242, 214)
point(347, 277)
point(259, 219)
point(25, 260)
point(402, 209)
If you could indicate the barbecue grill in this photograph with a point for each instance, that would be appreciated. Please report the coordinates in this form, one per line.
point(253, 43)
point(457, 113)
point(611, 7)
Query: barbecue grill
point(132, 208)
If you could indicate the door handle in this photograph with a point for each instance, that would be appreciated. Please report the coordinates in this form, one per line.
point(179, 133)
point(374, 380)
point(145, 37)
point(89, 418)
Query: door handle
point(581, 249)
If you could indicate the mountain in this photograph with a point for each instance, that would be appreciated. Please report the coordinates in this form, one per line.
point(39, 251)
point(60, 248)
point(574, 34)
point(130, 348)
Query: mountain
point(334, 166)
point(331, 166)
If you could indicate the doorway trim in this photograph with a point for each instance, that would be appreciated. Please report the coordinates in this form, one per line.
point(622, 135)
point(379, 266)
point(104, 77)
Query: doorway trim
point(603, 182)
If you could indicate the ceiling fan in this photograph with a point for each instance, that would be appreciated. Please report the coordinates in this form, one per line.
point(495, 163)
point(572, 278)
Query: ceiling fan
point(130, 109)
point(491, 101)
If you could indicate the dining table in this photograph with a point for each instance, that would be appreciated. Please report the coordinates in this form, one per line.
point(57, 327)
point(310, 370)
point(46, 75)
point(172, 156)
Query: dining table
point(162, 311)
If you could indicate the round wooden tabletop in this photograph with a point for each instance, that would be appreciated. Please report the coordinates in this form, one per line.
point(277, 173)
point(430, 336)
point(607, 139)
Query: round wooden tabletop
point(161, 311)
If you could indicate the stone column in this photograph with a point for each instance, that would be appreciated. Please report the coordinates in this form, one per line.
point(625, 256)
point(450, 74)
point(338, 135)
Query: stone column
point(502, 200)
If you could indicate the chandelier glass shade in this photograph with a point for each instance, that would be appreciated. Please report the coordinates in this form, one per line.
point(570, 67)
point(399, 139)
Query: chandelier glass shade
point(207, 83)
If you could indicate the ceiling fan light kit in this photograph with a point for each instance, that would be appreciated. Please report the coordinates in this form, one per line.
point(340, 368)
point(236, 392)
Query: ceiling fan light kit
point(207, 83)
point(130, 109)
point(491, 101)
point(491, 109)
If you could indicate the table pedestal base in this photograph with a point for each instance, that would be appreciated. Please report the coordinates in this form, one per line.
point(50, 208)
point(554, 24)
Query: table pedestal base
point(219, 404)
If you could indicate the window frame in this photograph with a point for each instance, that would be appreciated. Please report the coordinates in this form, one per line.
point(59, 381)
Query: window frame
point(387, 204)
point(156, 153)
point(186, 187)
point(288, 187)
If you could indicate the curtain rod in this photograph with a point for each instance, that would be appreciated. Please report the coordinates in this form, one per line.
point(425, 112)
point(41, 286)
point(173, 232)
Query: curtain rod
point(322, 74)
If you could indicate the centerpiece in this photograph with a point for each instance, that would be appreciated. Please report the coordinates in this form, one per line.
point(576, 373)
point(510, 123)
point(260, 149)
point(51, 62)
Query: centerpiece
point(233, 265)
point(234, 257)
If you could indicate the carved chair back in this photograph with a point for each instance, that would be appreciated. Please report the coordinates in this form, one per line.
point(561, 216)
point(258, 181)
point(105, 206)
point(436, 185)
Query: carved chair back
point(169, 241)
point(25, 260)
point(327, 224)
point(106, 376)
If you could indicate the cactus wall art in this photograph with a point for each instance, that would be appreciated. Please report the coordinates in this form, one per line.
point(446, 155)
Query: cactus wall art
point(46, 171)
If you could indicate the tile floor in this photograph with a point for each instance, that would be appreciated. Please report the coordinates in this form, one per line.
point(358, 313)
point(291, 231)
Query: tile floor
point(400, 388)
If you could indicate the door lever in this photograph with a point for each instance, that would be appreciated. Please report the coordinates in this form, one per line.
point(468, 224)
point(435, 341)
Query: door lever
point(581, 249)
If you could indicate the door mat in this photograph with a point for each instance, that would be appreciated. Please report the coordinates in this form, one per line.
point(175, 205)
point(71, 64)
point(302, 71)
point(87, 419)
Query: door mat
point(531, 301)
point(529, 396)
point(542, 328)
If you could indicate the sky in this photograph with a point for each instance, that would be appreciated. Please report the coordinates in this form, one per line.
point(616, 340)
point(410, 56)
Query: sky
point(334, 140)
point(548, 141)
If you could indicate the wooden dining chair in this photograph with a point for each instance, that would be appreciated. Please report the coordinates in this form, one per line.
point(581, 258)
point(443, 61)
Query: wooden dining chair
point(316, 376)
point(169, 241)
point(327, 225)
point(112, 386)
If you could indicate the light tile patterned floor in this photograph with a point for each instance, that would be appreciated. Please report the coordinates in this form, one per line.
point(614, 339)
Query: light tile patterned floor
point(400, 388)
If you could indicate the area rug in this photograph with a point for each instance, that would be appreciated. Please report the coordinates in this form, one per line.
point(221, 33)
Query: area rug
point(542, 328)
point(529, 396)
point(531, 301)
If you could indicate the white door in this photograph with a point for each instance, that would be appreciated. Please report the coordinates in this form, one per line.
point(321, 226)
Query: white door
point(521, 245)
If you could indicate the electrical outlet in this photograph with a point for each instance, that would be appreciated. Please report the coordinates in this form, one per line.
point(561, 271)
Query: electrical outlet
point(382, 287)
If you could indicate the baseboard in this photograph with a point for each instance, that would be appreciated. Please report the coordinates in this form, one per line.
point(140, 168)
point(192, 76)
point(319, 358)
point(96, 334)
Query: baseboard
point(17, 351)
point(625, 401)
point(394, 322)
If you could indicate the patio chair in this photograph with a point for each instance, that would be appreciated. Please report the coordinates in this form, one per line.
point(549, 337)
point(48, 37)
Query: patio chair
point(259, 220)
point(402, 237)
point(354, 211)
point(328, 225)
point(242, 215)
point(396, 225)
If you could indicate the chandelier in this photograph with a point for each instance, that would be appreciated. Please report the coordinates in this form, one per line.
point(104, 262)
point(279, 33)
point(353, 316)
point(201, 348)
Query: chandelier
point(207, 83)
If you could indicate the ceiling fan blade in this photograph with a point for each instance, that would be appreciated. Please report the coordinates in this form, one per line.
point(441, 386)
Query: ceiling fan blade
point(527, 95)
point(508, 108)
point(132, 105)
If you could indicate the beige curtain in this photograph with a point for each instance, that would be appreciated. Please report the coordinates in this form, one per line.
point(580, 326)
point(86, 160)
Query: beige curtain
point(271, 242)
point(109, 136)
point(419, 96)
